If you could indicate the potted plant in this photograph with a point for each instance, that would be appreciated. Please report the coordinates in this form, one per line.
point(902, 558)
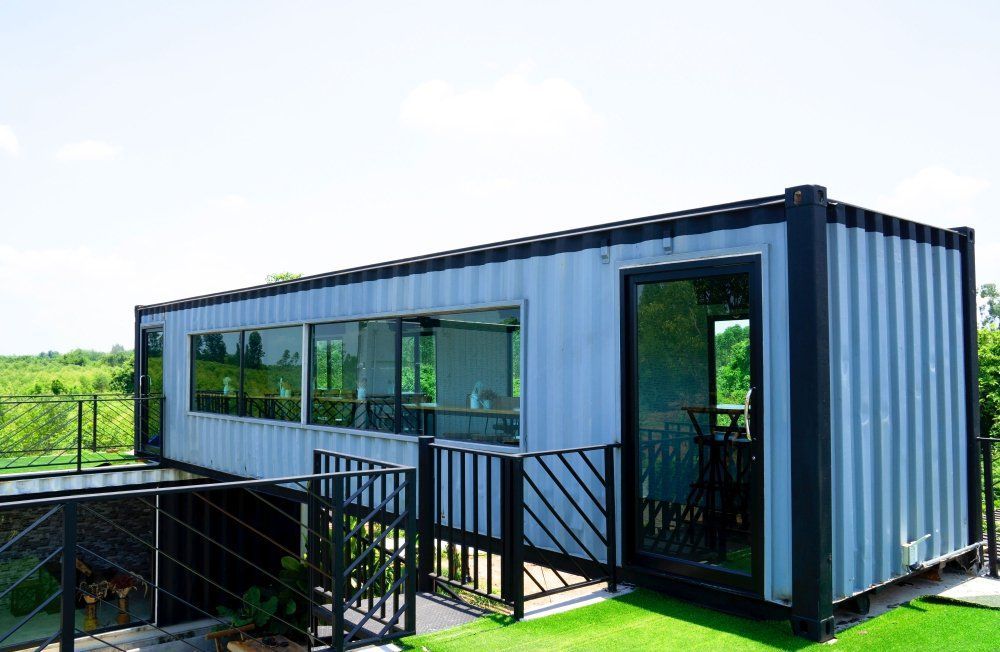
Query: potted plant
point(486, 398)
point(92, 593)
point(122, 584)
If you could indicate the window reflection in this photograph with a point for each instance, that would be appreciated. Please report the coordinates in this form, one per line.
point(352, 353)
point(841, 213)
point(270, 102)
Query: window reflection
point(215, 372)
point(272, 374)
point(354, 375)
point(468, 366)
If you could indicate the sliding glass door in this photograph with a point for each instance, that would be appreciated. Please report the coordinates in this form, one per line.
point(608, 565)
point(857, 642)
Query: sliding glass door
point(693, 431)
point(149, 418)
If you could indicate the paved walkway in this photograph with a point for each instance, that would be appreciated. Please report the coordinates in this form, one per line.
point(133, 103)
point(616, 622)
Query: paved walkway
point(956, 586)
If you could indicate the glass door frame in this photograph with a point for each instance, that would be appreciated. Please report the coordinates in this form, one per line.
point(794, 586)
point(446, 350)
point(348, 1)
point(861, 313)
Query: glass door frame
point(632, 556)
point(142, 410)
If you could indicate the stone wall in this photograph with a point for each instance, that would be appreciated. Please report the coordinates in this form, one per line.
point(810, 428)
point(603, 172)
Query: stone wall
point(93, 533)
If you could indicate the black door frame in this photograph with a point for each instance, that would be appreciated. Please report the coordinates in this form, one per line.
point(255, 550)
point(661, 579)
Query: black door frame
point(142, 410)
point(632, 558)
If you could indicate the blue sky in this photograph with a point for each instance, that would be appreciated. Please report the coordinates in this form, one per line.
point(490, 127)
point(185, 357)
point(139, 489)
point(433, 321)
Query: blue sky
point(156, 150)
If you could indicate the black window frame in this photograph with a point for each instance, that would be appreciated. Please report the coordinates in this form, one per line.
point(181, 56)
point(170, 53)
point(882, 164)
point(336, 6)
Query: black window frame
point(399, 321)
point(309, 366)
point(241, 411)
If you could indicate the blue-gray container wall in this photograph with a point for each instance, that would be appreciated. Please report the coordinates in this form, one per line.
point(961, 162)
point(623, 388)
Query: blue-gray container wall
point(898, 416)
point(571, 380)
point(897, 394)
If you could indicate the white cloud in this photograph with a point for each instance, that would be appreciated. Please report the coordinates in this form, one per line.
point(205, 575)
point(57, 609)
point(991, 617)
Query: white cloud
point(934, 194)
point(65, 297)
point(231, 203)
point(545, 112)
point(88, 150)
point(8, 141)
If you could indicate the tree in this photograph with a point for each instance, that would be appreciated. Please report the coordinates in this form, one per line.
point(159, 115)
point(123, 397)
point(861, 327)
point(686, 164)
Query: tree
point(733, 359)
point(278, 277)
point(212, 347)
point(989, 308)
point(255, 351)
point(122, 376)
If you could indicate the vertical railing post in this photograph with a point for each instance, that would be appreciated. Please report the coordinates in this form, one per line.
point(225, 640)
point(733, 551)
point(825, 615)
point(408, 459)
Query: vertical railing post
point(94, 427)
point(410, 584)
point(991, 513)
point(160, 424)
point(424, 493)
point(67, 629)
point(312, 546)
point(517, 535)
point(79, 436)
point(610, 499)
point(506, 509)
point(337, 605)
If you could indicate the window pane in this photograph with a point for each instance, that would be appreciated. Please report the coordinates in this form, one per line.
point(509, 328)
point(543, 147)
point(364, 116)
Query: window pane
point(215, 372)
point(272, 374)
point(469, 376)
point(354, 375)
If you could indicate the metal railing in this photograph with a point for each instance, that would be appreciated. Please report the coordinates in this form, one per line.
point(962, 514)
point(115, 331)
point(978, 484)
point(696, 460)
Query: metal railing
point(241, 556)
point(77, 431)
point(370, 562)
point(490, 525)
point(991, 487)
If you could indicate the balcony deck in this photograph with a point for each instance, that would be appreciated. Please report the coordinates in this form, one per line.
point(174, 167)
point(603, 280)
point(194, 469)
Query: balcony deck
point(76, 432)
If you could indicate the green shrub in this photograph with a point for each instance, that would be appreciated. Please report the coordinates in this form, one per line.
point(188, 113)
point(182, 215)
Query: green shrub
point(30, 593)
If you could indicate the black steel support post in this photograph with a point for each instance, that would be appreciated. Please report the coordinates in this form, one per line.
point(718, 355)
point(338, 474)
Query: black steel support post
point(516, 532)
point(970, 337)
point(136, 376)
point(506, 510)
point(611, 518)
point(338, 605)
point(809, 380)
point(425, 495)
point(410, 586)
point(313, 544)
point(79, 436)
point(67, 629)
point(93, 429)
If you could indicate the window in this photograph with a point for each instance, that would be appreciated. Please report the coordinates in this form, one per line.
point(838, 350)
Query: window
point(215, 372)
point(469, 369)
point(450, 375)
point(459, 375)
point(254, 373)
point(354, 375)
point(272, 374)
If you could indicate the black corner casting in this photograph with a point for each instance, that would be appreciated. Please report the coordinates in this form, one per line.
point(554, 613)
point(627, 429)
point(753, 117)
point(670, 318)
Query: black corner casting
point(808, 195)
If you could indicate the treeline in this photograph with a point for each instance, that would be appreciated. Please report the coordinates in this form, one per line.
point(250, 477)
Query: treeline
point(79, 371)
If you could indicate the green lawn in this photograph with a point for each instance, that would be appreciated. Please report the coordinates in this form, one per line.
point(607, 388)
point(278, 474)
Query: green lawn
point(61, 461)
point(643, 620)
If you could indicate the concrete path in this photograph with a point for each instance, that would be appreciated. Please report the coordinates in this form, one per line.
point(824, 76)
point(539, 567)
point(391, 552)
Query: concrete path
point(957, 586)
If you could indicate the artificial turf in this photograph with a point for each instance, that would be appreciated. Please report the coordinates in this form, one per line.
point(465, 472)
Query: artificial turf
point(61, 461)
point(643, 620)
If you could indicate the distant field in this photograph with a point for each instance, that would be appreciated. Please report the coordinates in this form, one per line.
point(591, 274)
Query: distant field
point(78, 371)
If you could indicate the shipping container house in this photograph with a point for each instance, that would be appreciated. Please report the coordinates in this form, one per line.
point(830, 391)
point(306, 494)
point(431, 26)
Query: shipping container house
point(792, 381)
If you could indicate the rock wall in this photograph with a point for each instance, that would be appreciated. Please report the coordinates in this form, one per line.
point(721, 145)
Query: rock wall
point(99, 530)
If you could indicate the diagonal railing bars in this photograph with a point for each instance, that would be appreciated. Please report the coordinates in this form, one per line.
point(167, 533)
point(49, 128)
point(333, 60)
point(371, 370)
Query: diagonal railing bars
point(329, 572)
point(991, 488)
point(73, 432)
point(513, 527)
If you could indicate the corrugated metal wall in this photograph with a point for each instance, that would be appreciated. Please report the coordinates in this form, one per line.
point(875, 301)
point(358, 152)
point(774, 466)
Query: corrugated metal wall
point(25, 487)
point(571, 378)
point(897, 404)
